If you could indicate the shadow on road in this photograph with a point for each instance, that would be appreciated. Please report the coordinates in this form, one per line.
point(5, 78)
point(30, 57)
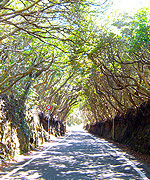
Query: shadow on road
point(79, 156)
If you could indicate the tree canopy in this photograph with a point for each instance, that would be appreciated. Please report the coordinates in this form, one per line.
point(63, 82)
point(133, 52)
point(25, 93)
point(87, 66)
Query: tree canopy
point(53, 52)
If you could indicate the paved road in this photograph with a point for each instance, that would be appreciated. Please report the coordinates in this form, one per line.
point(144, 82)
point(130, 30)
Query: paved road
point(78, 155)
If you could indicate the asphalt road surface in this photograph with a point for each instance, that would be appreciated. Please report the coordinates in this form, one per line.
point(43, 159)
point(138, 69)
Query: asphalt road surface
point(77, 156)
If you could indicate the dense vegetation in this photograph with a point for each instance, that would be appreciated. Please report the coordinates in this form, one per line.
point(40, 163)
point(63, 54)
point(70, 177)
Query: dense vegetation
point(52, 52)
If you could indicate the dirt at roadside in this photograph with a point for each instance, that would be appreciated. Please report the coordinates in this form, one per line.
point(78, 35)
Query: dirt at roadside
point(142, 157)
point(19, 158)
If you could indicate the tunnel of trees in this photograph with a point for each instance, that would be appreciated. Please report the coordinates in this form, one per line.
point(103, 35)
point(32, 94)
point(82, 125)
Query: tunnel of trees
point(54, 52)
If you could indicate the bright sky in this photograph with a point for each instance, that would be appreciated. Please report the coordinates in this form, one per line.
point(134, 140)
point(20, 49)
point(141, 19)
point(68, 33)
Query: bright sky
point(121, 6)
point(130, 5)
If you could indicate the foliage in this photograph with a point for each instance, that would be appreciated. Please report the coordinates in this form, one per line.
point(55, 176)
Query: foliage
point(120, 74)
point(140, 37)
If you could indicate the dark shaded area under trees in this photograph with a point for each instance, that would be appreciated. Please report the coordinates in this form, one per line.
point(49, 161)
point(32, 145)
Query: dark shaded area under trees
point(131, 128)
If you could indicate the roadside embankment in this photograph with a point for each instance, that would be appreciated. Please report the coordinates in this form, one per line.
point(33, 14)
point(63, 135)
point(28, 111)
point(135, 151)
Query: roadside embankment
point(131, 128)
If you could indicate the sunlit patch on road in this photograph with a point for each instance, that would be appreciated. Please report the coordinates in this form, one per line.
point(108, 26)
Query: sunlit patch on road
point(75, 127)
